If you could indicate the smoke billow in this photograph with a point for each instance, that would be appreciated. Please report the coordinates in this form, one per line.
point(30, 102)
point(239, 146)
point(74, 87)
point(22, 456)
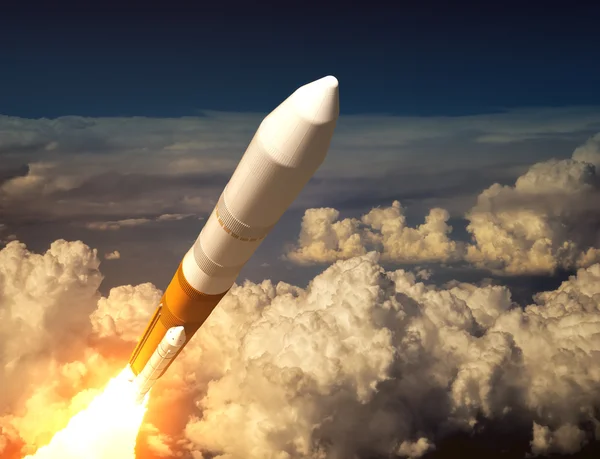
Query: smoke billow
point(374, 362)
point(363, 362)
point(49, 367)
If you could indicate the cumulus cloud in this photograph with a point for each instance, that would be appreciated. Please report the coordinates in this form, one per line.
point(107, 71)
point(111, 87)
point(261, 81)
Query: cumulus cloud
point(52, 360)
point(414, 449)
point(589, 152)
point(547, 220)
point(114, 255)
point(5, 236)
point(362, 362)
point(374, 361)
point(566, 439)
point(37, 290)
point(323, 239)
point(125, 312)
point(59, 175)
point(45, 366)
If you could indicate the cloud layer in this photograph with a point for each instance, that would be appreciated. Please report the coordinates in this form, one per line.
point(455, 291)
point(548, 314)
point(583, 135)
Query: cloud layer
point(111, 181)
point(324, 240)
point(548, 220)
point(362, 362)
point(75, 167)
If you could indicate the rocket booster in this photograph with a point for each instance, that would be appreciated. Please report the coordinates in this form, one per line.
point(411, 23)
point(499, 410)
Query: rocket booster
point(287, 149)
point(161, 358)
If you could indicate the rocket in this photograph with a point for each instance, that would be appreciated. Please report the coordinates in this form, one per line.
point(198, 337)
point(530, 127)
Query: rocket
point(286, 150)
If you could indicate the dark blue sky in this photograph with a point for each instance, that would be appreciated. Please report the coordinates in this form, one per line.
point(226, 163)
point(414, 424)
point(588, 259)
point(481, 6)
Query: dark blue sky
point(413, 60)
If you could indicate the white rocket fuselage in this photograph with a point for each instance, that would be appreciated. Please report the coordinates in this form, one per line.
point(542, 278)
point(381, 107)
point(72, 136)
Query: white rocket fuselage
point(287, 149)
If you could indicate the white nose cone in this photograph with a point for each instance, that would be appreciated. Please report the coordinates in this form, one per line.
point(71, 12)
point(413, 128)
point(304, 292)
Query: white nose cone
point(175, 336)
point(298, 132)
point(318, 102)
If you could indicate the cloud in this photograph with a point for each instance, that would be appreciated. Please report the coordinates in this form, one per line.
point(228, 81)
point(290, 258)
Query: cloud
point(115, 255)
point(374, 361)
point(323, 239)
point(589, 152)
point(46, 367)
point(510, 126)
point(548, 220)
point(41, 179)
point(172, 217)
point(125, 312)
point(37, 289)
point(414, 449)
point(158, 442)
point(133, 222)
point(122, 168)
point(567, 439)
point(362, 362)
point(117, 225)
point(5, 238)
point(116, 167)
point(59, 175)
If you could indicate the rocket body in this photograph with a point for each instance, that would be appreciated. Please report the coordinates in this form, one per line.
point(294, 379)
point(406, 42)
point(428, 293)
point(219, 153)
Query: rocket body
point(287, 149)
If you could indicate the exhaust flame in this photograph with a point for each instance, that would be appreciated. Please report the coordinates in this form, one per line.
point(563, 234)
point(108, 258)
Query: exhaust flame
point(106, 429)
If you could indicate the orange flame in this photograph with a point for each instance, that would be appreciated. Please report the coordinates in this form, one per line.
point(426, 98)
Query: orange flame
point(106, 429)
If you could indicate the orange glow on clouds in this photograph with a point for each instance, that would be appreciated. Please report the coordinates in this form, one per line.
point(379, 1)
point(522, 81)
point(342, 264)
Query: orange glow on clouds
point(106, 429)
